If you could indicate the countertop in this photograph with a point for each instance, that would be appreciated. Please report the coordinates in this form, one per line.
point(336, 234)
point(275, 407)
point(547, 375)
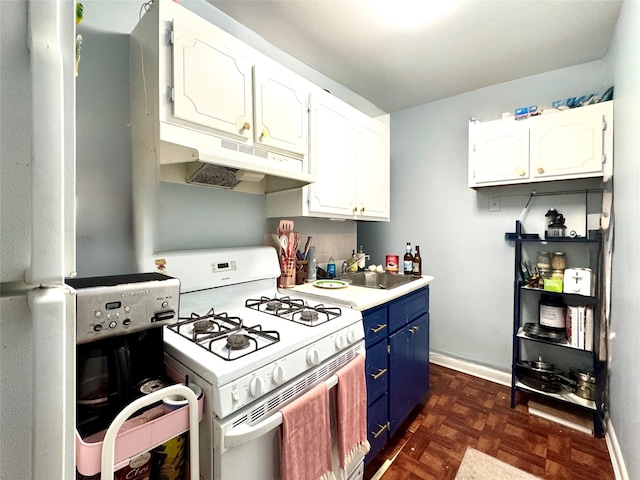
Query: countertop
point(359, 298)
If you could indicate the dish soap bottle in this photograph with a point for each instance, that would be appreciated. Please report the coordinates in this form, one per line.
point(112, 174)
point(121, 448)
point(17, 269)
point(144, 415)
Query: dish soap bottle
point(353, 267)
point(331, 267)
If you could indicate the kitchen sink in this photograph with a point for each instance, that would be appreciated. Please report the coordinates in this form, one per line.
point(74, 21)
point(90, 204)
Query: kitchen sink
point(376, 279)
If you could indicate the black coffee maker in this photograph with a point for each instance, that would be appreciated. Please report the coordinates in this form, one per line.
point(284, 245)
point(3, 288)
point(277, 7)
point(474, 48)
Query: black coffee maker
point(556, 227)
point(119, 342)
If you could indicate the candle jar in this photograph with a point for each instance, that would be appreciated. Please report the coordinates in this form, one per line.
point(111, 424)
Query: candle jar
point(558, 261)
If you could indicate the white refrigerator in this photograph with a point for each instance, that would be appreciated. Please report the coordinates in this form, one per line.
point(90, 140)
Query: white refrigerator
point(37, 239)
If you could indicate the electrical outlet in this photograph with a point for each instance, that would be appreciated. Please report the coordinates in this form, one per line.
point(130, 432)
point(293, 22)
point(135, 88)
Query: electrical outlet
point(494, 204)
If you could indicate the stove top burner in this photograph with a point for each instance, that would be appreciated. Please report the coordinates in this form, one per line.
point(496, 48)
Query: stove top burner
point(203, 326)
point(308, 315)
point(273, 305)
point(238, 341)
point(223, 335)
point(294, 309)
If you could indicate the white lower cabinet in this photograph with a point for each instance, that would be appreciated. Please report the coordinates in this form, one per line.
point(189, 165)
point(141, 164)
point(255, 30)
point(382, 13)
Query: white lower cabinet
point(349, 156)
point(575, 143)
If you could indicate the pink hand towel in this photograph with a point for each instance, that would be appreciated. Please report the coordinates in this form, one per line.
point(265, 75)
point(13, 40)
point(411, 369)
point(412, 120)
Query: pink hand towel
point(306, 437)
point(352, 413)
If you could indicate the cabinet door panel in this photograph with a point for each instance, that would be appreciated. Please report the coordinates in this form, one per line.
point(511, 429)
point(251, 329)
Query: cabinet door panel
point(498, 152)
point(281, 118)
point(212, 84)
point(376, 325)
point(408, 308)
point(567, 144)
point(401, 378)
point(377, 429)
point(332, 156)
point(372, 179)
point(377, 372)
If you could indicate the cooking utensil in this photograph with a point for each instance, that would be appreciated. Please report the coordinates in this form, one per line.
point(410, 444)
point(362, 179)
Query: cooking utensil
point(285, 227)
point(306, 247)
point(284, 243)
point(276, 242)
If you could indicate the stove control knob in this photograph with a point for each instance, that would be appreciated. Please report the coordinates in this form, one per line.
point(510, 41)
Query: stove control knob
point(340, 342)
point(256, 387)
point(351, 336)
point(278, 375)
point(313, 357)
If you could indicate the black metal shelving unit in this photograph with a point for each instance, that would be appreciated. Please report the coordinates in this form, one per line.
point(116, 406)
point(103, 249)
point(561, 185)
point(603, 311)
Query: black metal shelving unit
point(597, 361)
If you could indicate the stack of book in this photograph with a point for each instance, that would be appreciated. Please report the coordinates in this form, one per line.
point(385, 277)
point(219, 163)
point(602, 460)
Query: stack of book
point(579, 325)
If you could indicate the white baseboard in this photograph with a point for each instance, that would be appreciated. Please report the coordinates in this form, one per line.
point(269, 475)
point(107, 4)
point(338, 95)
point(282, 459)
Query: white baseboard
point(504, 378)
point(480, 371)
point(617, 461)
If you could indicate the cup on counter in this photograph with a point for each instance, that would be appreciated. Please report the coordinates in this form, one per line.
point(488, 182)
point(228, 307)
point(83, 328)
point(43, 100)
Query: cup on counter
point(287, 273)
point(301, 271)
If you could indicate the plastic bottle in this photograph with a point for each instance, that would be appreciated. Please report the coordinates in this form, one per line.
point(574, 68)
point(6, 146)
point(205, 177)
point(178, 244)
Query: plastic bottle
point(408, 261)
point(354, 261)
point(361, 261)
point(331, 267)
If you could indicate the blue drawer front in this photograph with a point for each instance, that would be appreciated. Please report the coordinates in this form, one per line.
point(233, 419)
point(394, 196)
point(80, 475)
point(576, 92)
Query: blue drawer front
point(376, 368)
point(407, 308)
point(377, 427)
point(375, 325)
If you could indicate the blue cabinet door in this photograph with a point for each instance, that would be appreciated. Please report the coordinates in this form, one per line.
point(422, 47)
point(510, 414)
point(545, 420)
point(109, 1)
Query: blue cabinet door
point(408, 369)
point(376, 370)
point(377, 426)
point(408, 308)
point(376, 325)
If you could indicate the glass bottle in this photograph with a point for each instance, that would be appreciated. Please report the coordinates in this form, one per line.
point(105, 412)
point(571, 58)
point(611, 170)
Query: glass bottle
point(408, 261)
point(417, 263)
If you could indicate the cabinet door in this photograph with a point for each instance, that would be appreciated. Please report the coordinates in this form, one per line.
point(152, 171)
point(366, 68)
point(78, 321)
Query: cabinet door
point(498, 152)
point(408, 370)
point(377, 371)
point(568, 144)
point(332, 156)
point(377, 426)
point(373, 175)
point(281, 110)
point(212, 85)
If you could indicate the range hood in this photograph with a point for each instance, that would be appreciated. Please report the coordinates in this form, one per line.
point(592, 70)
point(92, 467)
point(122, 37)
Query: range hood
point(227, 164)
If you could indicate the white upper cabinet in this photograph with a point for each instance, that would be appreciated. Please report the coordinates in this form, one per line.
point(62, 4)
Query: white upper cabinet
point(498, 153)
point(576, 143)
point(212, 85)
point(349, 158)
point(281, 110)
point(332, 156)
point(571, 144)
point(373, 169)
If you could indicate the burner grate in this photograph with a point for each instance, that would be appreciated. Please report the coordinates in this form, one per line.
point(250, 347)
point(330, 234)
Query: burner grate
point(295, 310)
point(224, 336)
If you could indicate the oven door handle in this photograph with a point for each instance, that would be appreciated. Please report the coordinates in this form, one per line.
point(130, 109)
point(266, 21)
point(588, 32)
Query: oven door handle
point(247, 433)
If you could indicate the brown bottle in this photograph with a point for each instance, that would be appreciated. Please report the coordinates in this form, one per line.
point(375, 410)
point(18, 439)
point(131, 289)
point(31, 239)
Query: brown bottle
point(417, 263)
point(408, 261)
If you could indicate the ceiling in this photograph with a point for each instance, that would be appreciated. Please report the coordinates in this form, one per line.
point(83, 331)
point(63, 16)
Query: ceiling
point(481, 43)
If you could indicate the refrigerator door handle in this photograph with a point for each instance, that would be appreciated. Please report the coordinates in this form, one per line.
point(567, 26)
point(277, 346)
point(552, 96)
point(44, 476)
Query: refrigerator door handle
point(47, 172)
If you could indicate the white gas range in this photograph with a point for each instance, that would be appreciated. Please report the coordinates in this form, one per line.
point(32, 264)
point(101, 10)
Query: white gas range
point(252, 350)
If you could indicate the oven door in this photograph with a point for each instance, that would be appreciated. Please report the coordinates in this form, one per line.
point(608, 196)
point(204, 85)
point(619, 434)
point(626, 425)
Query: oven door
point(242, 451)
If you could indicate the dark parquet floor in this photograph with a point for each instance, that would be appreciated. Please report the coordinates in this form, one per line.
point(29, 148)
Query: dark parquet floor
point(461, 411)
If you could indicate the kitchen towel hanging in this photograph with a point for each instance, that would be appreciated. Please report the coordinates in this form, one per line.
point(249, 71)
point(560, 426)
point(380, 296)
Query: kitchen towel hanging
point(352, 413)
point(306, 437)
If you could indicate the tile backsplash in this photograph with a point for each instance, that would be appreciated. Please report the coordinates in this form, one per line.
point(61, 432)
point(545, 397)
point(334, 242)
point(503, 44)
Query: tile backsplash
point(336, 245)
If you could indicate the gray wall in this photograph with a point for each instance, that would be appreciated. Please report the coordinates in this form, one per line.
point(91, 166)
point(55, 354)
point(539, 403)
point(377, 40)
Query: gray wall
point(624, 59)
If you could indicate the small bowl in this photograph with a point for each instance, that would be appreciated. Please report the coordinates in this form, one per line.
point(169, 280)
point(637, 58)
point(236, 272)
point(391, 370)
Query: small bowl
point(175, 401)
